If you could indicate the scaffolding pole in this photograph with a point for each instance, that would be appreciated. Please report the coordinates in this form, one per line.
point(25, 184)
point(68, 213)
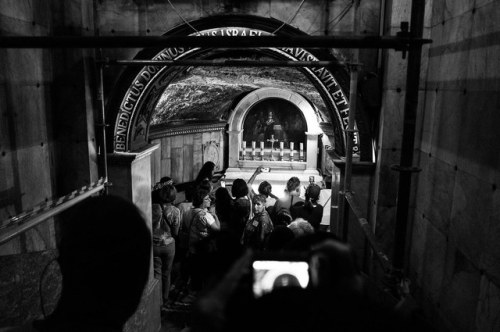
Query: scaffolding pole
point(386, 42)
point(102, 124)
point(223, 62)
point(406, 168)
point(343, 215)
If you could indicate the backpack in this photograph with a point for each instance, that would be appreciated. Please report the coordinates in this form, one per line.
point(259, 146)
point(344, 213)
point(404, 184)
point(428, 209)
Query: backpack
point(185, 230)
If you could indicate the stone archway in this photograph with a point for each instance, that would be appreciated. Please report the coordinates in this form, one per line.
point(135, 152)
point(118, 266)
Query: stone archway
point(237, 117)
point(133, 103)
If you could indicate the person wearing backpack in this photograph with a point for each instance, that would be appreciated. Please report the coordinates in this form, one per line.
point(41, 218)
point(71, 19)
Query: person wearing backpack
point(202, 227)
point(166, 222)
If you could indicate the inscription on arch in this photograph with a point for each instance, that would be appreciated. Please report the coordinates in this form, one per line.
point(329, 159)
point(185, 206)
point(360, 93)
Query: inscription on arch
point(147, 80)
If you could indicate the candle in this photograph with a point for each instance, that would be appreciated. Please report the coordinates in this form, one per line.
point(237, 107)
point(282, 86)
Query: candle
point(262, 146)
point(291, 146)
point(301, 146)
point(253, 148)
point(282, 144)
point(244, 145)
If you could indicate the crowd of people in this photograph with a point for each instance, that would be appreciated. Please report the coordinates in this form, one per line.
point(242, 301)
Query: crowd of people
point(216, 234)
point(203, 248)
point(226, 221)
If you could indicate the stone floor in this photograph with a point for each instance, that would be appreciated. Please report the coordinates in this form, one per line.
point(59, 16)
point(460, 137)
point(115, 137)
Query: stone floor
point(175, 318)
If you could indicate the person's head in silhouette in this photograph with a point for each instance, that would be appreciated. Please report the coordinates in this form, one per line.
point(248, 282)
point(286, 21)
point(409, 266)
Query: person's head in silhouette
point(301, 227)
point(223, 201)
point(265, 188)
point(286, 280)
point(104, 258)
point(206, 172)
point(239, 188)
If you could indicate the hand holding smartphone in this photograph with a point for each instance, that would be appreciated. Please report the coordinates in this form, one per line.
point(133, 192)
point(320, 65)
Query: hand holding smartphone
point(274, 270)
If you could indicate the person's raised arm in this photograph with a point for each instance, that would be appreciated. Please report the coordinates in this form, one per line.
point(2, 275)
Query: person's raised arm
point(273, 196)
point(250, 181)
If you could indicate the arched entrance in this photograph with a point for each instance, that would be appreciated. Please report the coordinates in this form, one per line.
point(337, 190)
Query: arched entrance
point(240, 113)
point(138, 91)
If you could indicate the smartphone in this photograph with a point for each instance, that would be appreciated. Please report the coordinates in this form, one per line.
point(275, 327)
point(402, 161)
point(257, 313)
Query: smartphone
point(274, 270)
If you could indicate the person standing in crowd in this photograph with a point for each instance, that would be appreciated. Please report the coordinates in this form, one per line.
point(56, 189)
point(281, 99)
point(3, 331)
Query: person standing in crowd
point(325, 200)
point(165, 229)
point(155, 194)
point(202, 227)
point(258, 228)
point(282, 207)
point(206, 172)
point(265, 188)
point(203, 179)
point(309, 210)
point(163, 251)
point(242, 205)
point(224, 208)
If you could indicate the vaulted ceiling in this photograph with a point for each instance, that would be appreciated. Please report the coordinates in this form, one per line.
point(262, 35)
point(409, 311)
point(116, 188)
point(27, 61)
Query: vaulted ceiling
point(209, 93)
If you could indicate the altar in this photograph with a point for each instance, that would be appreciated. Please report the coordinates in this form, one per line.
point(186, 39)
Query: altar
point(277, 129)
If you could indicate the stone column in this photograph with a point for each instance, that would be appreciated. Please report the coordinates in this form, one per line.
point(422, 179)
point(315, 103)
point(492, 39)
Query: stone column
point(311, 152)
point(234, 147)
point(130, 175)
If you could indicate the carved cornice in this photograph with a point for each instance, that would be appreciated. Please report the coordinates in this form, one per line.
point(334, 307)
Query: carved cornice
point(165, 131)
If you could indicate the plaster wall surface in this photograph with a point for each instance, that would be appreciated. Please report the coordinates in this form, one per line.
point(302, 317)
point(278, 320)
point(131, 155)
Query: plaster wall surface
point(47, 146)
point(46, 115)
point(454, 258)
point(26, 142)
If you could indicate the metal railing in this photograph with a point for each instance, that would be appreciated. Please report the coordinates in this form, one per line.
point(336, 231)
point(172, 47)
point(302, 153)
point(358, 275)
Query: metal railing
point(26, 220)
point(370, 237)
